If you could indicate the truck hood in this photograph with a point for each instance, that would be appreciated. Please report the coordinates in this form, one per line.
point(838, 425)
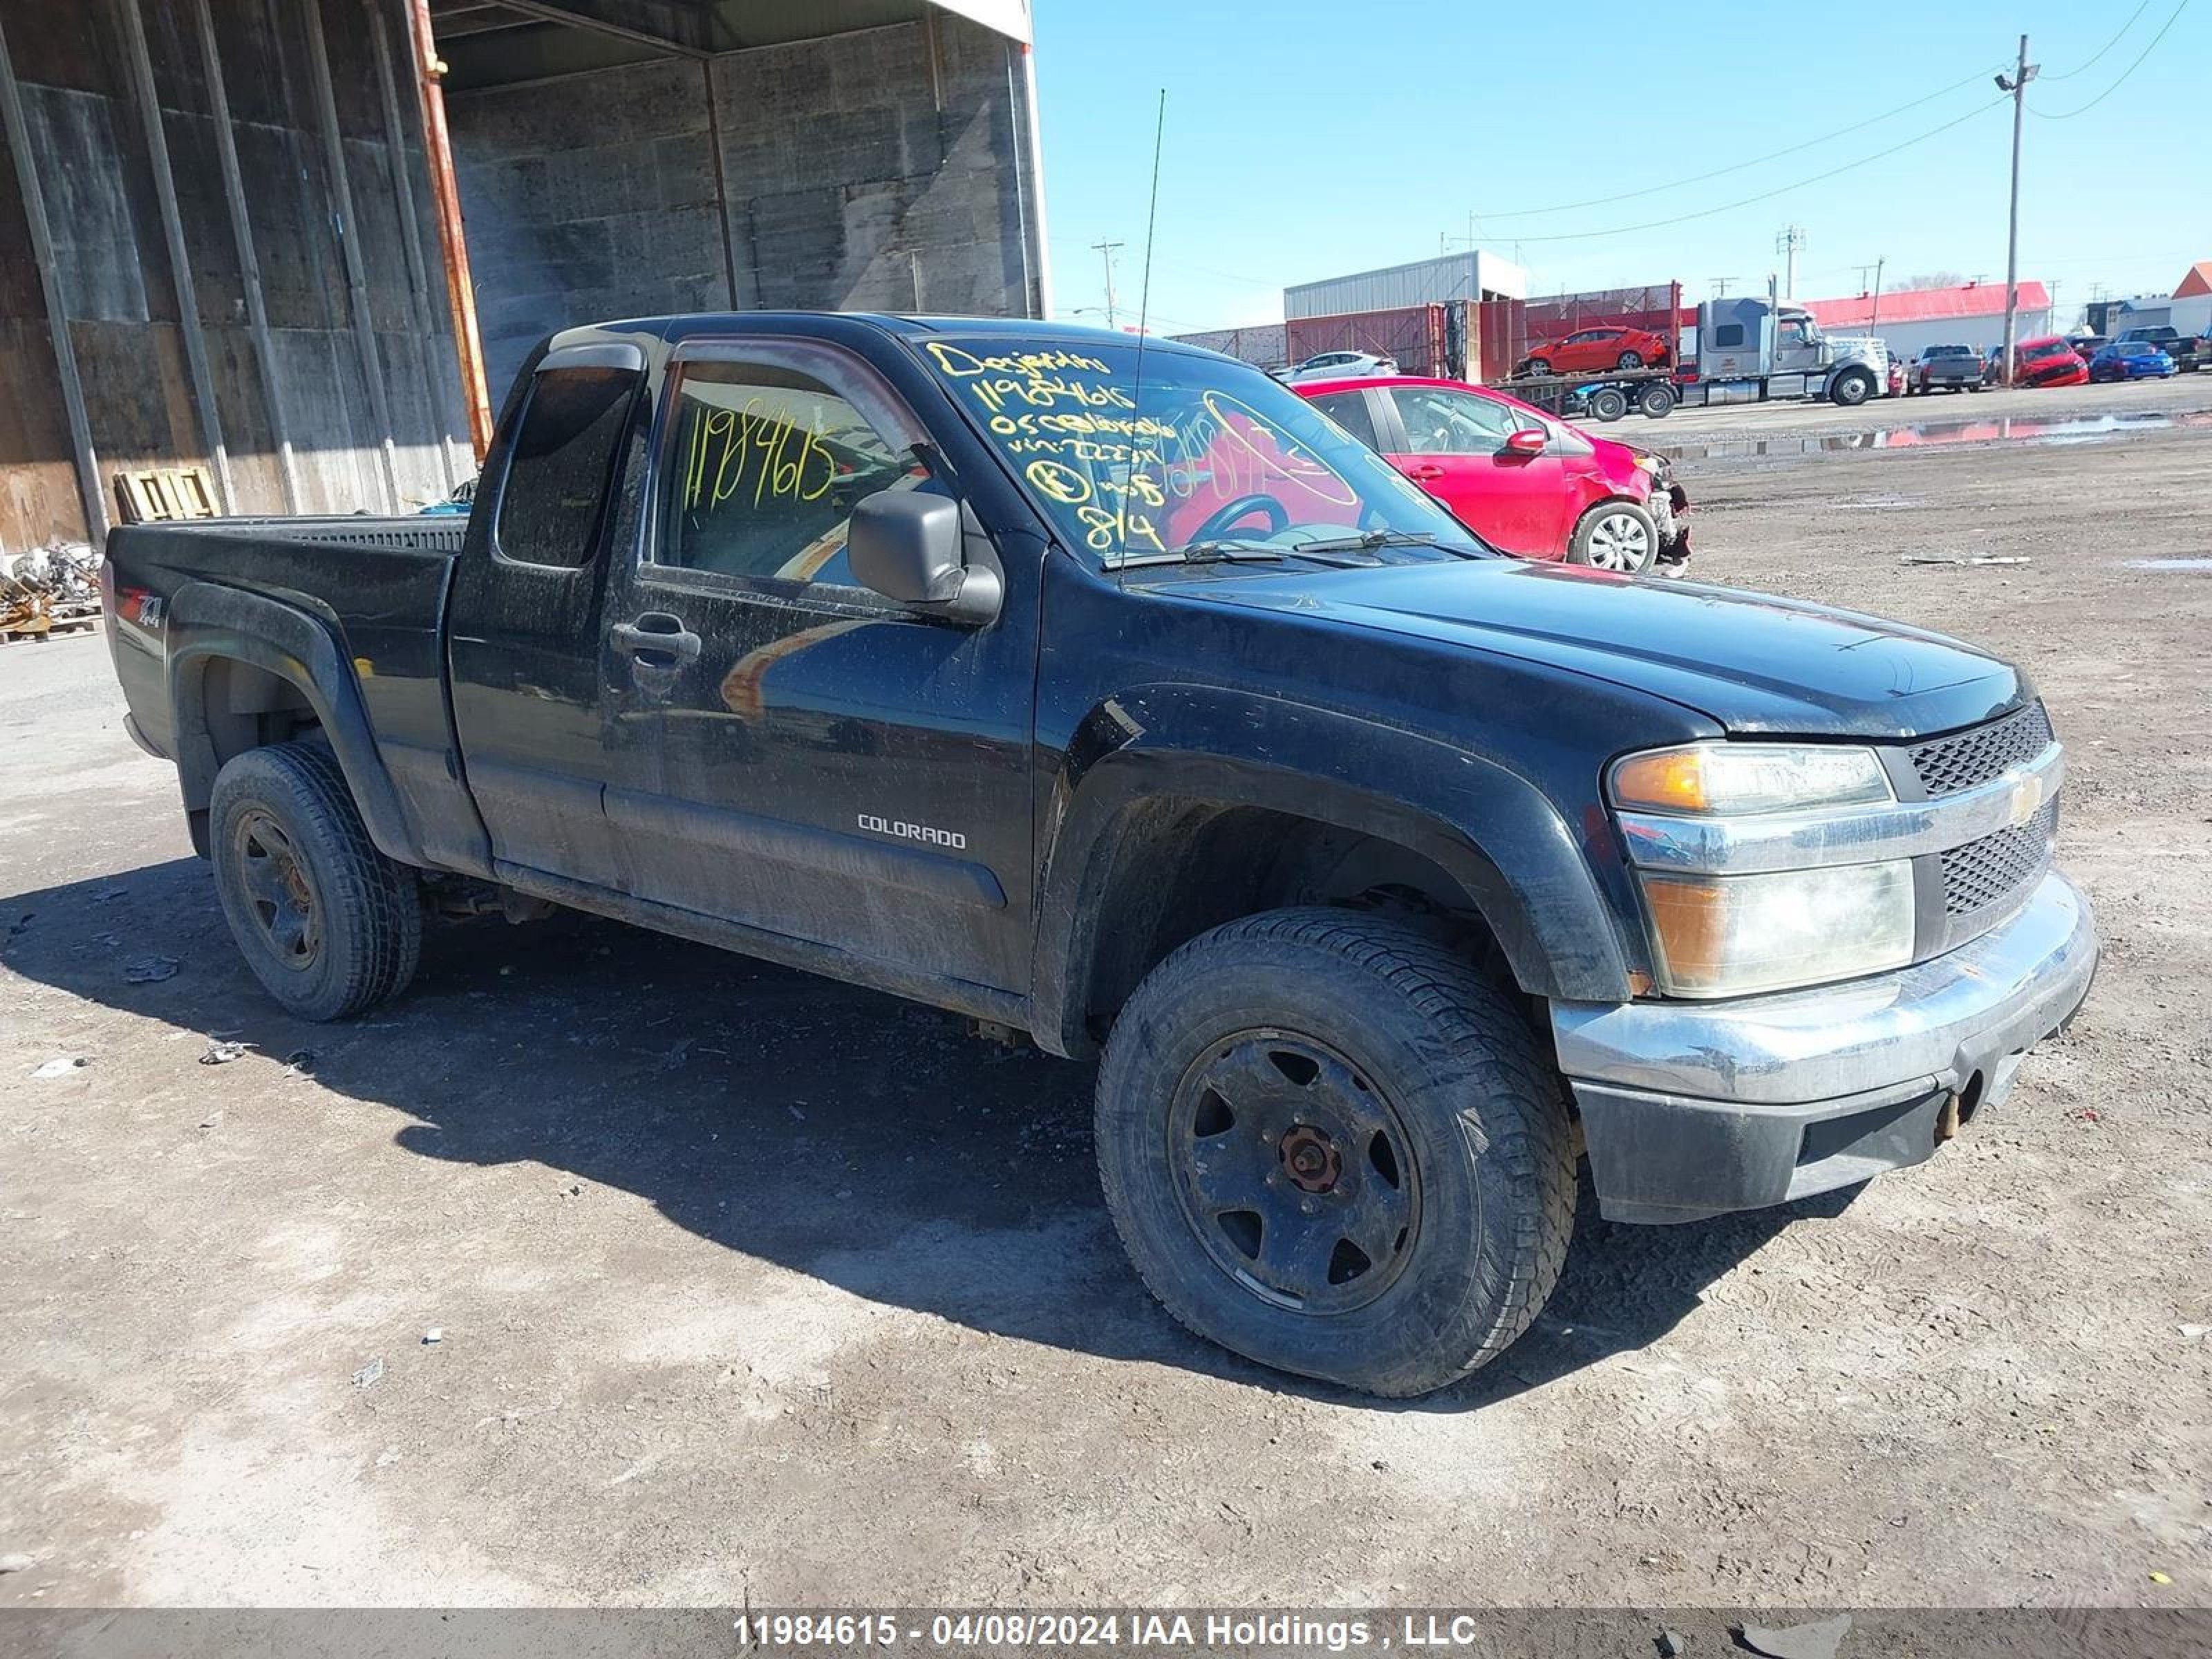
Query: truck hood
point(1749, 662)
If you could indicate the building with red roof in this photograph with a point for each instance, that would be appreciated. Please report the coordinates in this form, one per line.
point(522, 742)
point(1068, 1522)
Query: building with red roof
point(1972, 313)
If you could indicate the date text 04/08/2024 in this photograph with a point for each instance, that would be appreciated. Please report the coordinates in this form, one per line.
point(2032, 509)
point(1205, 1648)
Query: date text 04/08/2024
point(1137, 1631)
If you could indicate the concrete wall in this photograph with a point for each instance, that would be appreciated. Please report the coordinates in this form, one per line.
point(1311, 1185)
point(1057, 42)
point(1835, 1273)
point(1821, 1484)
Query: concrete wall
point(887, 169)
point(95, 171)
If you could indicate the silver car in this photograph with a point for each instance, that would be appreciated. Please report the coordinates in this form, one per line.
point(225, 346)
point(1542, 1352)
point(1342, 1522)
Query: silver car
point(1340, 365)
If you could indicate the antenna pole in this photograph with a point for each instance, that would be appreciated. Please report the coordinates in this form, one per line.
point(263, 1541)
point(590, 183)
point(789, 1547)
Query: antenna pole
point(1106, 253)
point(1143, 312)
point(1152, 218)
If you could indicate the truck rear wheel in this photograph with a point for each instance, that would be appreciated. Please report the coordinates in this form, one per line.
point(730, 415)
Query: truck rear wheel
point(1330, 1146)
point(329, 925)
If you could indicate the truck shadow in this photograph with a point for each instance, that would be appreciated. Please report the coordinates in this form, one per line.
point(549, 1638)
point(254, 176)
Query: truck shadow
point(825, 1128)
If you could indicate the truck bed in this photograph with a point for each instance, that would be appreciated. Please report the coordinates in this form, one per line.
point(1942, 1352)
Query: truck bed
point(376, 587)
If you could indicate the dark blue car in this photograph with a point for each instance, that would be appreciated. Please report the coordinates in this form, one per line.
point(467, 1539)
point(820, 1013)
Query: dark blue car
point(2129, 360)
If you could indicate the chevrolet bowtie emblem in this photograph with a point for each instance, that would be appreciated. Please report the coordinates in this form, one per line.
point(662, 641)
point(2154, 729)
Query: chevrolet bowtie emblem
point(2026, 797)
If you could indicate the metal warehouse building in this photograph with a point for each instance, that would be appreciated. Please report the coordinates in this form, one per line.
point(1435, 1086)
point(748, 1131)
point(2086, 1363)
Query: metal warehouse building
point(300, 246)
point(1472, 275)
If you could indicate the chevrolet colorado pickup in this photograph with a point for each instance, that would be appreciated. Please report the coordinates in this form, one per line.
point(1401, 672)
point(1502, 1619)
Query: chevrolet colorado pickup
point(1104, 690)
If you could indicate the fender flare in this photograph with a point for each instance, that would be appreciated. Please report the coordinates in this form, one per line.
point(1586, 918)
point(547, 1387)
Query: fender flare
point(1488, 828)
point(209, 624)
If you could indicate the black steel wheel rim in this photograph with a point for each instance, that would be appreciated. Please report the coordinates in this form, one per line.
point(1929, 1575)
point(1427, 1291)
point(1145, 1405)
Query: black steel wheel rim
point(1295, 1171)
point(281, 900)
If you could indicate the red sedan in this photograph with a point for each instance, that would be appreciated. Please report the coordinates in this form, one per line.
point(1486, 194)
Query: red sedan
point(1594, 350)
point(1519, 478)
point(2049, 360)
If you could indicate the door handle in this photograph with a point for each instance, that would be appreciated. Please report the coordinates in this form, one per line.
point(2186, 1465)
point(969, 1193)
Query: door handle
point(1426, 472)
point(655, 639)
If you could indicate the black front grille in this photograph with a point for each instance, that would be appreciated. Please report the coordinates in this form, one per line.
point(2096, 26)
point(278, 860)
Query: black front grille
point(1986, 873)
point(1967, 758)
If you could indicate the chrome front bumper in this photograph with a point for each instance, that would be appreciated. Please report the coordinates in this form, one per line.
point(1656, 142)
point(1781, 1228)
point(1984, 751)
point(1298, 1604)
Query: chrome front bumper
point(1690, 1110)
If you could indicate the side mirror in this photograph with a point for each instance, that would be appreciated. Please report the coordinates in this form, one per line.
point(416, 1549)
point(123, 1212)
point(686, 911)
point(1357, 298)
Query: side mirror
point(1529, 440)
point(906, 545)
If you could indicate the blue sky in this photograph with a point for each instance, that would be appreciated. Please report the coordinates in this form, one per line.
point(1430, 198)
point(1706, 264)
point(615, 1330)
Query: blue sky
point(1305, 140)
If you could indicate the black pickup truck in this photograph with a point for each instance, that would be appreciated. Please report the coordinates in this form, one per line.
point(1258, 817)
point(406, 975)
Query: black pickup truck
point(1105, 692)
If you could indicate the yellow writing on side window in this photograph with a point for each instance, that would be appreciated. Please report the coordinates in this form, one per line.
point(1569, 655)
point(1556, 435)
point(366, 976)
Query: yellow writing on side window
point(785, 461)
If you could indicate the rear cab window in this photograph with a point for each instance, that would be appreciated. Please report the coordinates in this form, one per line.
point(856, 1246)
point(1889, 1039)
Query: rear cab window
point(561, 470)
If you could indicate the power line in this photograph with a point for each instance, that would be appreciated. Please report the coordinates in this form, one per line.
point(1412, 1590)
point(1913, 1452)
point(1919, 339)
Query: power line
point(2069, 115)
point(2107, 47)
point(1736, 167)
point(1780, 190)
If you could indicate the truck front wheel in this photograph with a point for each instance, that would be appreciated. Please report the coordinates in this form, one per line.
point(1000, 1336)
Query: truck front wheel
point(329, 925)
point(1330, 1146)
point(1852, 387)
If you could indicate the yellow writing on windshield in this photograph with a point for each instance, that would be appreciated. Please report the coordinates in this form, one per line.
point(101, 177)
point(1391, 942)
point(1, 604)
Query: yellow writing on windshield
point(1070, 421)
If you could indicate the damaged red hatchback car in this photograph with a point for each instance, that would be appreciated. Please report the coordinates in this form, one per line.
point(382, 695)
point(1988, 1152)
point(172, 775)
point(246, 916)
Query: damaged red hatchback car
point(1525, 482)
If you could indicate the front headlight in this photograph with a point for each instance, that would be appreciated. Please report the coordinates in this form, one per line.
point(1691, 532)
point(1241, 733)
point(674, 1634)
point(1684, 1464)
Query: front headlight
point(1733, 779)
point(1727, 936)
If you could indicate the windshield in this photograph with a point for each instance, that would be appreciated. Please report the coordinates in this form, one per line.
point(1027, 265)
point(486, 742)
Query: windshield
point(1219, 460)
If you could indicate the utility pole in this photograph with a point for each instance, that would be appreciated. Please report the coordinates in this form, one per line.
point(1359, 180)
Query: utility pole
point(1874, 317)
point(1787, 241)
point(1721, 286)
point(2017, 86)
point(1106, 252)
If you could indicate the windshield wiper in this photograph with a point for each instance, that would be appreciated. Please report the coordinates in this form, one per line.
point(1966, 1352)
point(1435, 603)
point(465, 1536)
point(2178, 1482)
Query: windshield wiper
point(1204, 553)
point(1368, 540)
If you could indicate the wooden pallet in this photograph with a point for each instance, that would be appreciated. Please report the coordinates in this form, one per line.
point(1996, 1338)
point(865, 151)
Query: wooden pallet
point(45, 627)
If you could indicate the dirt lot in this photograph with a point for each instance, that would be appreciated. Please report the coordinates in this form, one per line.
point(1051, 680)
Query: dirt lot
point(753, 1287)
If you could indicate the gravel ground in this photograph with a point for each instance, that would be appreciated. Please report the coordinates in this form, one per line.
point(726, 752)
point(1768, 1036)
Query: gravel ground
point(755, 1288)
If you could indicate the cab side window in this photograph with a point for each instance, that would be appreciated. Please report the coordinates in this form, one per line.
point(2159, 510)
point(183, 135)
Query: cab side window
point(1443, 422)
point(561, 469)
point(767, 465)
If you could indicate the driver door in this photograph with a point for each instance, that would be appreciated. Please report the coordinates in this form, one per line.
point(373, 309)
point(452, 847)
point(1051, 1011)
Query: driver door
point(788, 750)
point(1452, 443)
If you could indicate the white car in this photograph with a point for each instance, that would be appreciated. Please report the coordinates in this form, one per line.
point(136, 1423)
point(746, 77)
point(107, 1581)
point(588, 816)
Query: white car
point(1340, 365)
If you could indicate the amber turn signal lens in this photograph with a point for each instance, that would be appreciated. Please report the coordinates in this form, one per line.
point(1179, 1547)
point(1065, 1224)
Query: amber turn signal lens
point(1671, 778)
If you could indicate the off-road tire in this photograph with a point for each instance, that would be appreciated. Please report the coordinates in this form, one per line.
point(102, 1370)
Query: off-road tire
point(369, 909)
point(1453, 1054)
